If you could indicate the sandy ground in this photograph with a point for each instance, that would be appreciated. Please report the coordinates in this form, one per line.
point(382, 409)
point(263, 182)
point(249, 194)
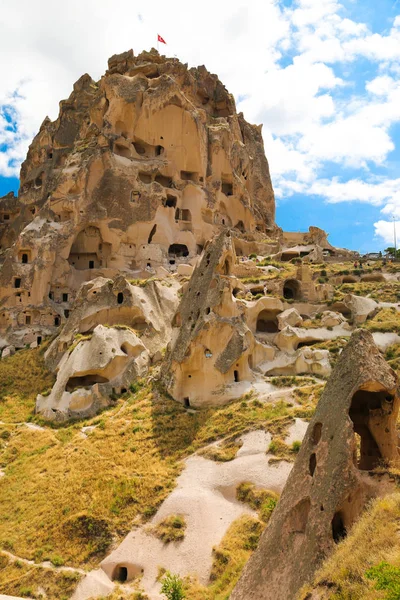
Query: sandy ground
point(205, 496)
point(34, 427)
point(384, 340)
point(297, 431)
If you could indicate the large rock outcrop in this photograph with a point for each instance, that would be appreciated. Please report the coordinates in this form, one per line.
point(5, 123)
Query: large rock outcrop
point(353, 432)
point(138, 171)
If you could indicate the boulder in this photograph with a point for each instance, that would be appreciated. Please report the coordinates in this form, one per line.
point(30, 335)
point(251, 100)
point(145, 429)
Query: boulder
point(185, 270)
point(332, 319)
point(361, 308)
point(289, 316)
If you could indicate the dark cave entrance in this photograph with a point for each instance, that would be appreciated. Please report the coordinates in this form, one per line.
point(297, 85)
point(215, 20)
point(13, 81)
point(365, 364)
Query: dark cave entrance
point(362, 404)
point(291, 289)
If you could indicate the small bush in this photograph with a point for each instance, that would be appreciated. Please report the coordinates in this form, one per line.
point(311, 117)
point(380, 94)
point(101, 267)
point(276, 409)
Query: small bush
point(57, 561)
point(296, 446)
point(172, 587)
point(171, 529)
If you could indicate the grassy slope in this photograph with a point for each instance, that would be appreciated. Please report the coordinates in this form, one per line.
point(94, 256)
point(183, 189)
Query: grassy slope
point(68, 498)
point(373, 540)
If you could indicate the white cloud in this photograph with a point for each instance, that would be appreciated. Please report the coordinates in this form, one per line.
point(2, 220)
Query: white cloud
point(385, 230)
point(312, 112)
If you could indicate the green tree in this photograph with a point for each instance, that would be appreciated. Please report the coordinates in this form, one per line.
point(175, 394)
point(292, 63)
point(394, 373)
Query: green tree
point(172, 587)
point(393, 252)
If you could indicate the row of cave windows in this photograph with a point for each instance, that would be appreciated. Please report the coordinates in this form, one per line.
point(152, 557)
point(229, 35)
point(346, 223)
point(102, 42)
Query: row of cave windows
point(167, 182)
point(57, 319)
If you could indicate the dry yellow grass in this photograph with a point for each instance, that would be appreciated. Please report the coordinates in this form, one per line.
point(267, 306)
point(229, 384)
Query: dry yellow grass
point(229, 558)
point(259, 499)
point(22, 377)
point(223, 452)
point(70, 497)
point(374, 539)
point(27, 580)
point(387, 319)
point(170, 529)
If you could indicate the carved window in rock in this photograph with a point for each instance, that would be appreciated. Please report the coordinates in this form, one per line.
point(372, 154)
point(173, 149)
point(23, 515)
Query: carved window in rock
point(183, 214)
point(171, 201)
point(178, 250)
point(135, 196)
point(163, 180)
point(190, 176)
point(267, 322)
point(227, 187)
point(292, 289)
point(370, 413)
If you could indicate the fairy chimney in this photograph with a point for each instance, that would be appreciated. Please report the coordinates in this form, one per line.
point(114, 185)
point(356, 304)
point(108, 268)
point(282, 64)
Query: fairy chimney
point(352, 433)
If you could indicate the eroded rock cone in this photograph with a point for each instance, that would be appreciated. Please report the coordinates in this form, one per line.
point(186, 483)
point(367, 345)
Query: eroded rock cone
point(211, 348)
point(352, 432)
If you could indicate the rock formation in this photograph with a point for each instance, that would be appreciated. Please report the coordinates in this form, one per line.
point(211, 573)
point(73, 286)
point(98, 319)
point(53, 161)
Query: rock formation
point(352, 432)
point(150, 175)
point(139, 170)
point(115, 332)
point(212, 346)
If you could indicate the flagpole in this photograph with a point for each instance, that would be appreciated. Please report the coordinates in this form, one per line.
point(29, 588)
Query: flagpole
point(158, 49)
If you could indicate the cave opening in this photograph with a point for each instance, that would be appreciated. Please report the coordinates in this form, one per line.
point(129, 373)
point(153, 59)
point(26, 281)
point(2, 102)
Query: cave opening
point(83, 381)
point(120, 574)
point(178, 250)
point(364, 403)
point(267, 322)
point(339, 531)
point(152, 233)
point(291, 289)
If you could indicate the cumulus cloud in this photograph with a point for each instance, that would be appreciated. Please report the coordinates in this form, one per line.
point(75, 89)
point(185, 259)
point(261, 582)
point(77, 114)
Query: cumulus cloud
point(385, 230)
point(293, 68)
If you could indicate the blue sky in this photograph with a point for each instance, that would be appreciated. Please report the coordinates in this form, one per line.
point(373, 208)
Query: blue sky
point(321, 76)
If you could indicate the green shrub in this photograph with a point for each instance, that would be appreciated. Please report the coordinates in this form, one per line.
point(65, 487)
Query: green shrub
point(387, 578)
point(296, 446)
point(172, 587)
point(57, 561)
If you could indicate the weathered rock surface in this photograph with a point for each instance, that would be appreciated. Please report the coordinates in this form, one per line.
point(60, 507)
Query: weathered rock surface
point(212, 345)
point(138, 172)
point(331, 480)
point(91, 372)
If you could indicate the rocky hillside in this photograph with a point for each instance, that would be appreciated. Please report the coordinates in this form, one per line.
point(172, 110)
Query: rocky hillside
point(165, 416)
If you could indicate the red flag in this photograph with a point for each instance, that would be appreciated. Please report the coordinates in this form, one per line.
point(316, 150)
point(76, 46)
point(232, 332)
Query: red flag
point(160, 39)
